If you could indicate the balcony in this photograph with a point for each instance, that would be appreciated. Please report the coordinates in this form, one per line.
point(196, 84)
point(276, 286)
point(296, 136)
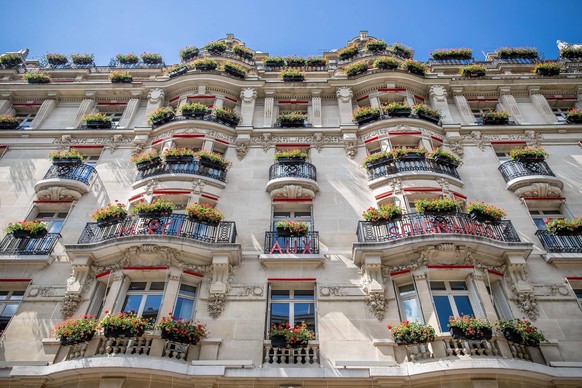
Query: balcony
point(560, 244)
point(284, 357)
point(305, 245)
point(193, 168)
point(33, 246)
point(207, 117)
point(387, 116)
point(396, 166)
point(73, 180)
point(524, 178)
point(292, 180)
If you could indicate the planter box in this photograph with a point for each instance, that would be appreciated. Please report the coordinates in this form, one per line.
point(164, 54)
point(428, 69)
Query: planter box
point(495, 121)
point(367, 119)
point(548, 72)
point(445, 161)
point(205, 67)
point(278, 341)
point(163, 120)
point(293, 78)
point(98, 124)
point(574, 120)
point(567, 232)
point(178, 72)
point(529, 158)
point(228, 121)
point(283, 232)
point(412, 156)
point(196, 115)
point(198, 220)
point(148, 61)
point(290, 161)
point(291, 124)
point(5, 125)
point(110, 221)
point(513, 336)
point(27, 234)
point(146, 214)
point(148, 164)
point(444, 213)
point(387, 66)
point(483, 218)
point(120, 333)
point(210, 164)
point(62, 162)
point(66, 342)
point(400, 113)
point(457, 333)
point(190, 56)
point(385, 222)
point(427, 117)
point(126, 80)
point(357, 72)
point(380, 162)
point(179, 159)
point(234, 72)
point(475, 74)
point(178, 338)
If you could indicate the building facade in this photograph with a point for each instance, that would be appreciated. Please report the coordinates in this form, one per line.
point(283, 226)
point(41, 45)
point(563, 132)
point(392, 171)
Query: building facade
point(346, 278)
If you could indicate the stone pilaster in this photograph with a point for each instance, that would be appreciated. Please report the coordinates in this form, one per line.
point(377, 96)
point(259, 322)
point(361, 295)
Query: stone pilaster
point(315, 116)
point(248, 97)
point(425, 298)
point(344, 100)
point(219, 102)
point(438, 100)
point(463, 107)
point(5, 107)
point(479, 280)
point(155, 100)
point(87, 106)
point(269, 112)
point(542, 105)
point(129, 113)
point(171, 291)
point(510, 105)
point(119, 282)
point(374, 100)
point(578, 104)
point(45, 109)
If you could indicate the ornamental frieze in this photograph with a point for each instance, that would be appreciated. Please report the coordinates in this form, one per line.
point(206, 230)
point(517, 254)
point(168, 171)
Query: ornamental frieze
point(111, 143)
point(399, 128)
point(531, 138)
point(196, 131)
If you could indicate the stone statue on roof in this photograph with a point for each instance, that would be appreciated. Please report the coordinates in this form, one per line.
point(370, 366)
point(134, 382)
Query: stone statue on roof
point(562, 45)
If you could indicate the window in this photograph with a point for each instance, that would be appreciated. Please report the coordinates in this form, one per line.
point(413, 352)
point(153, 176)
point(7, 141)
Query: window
point(25, 120)
point(293, 306)
point(186, 302)
point(477, 113)
point(54, 221)
point(539, 217)
point(499, 299)
point(560, 115)
point(503, 156)
point(304, 216)
point(450, 298)
point(9, 301)
point(409, 304)
point(144, 298)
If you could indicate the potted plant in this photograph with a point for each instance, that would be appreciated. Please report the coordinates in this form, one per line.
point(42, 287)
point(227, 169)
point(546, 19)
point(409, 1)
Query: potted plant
point(376, 46)
point(216, 47)
point(212, 160)
point(521, 331)
point(378, 159)
point(547, 68)
point(299, 336)
point(188, 53)
point(127, 59)
point(409, 153)
point(316, 62)
point(438, 206)
point(97, 120)
point(495, 117)
point(83, 59)
point(564, 227)
point(295, 156)
point(408, 333)
point(10, 60)
point(366, 114)
point(274, 61)
point(204, 213)
point(178, 155)
point(452, 54)
point(70, 157)
point(291, 119)
point(571, 52)
point(226, 116)
point(56, 59)
point(109, 215)
point(386, 63)
point(243, 52)
point(176, 70)
point(396, 109)
point(356, 68)
point(401, 50)
point(161, 116)
point(27, 229)
point(347, 52)
point(295, 61)
point(483, 212)
point(382, 214)
point(278, 334)
point(473, 71)
point(292, 228)
point(426, 113)
point(157, 208)
point(292, 75)
point(123, 325)
point(469, 327)
point(205, 64)
point(151, 58)
point(194, 110)
point(574, 116)
point(182, 331)
point(414, 67)
point(8, 122)
point(75, 330)
point(37, 78)
point(120, 77)
point(146, 160)
point(516, 53)
point(235, 70)
point(444, 157)
point(528, 154)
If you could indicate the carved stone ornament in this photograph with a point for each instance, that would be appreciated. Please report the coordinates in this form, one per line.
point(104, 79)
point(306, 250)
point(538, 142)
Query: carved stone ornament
point(293, 191)
point(351, 150)
point(439, 93)
point(266, 141)
point(332, 291)
point(70, 304)
point(216, 305)
point(248, 94)
point(241, 150)
point(112, 143)
point(156, 96)
point(457, 147)
point(528, 305)
point(59, 193)
point(539, 190)
point(318, 141)
point(377, 305)
point(344, 94)
point(256, 290)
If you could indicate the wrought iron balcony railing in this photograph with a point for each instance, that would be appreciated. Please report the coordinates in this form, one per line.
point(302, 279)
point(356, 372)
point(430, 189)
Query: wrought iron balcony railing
point(194, 168)
point(396, 166)
point(560, 244)
point(299, 170)
point(174, 225)
point(411, 225)
point(305, 245)
point(206, 117)
point(513, 169)
point(82, 173)
point(29, 246)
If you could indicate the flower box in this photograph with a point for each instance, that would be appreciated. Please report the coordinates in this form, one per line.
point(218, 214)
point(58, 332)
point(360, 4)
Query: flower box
point(290, 161)
point(162, 119)
point(530, 158)
point(235, 71)
point(382, 215)
point(183, 339)
point(179, 159)
point(574, 120)
point(445, 161)
point(283, 232)
point(211, 164)
point(521, 331)
point(178, 71)
point(64, 341)
point(179, 330)
point(293, 78)
point(577, 231)
point(474, 73)
point(500, 121)
point(484, 333)
point(564, 227)
point(153, 213)
point(203, 221)
point(380, 162)
point(292, 228)
point(204, 213)
point(409, 333)
point(124, 80)
point(278, 341)
point(192, 114)
point(70, 162)
point(29, 234)
point(412, 156)
point(108, 221)
point(8, 125)
point(121, 333)
point(428, 117)
point(512, 335)
point(400, 112)
point(204, 67)
point(368, 118)
point(147, 164)
point(188, 53)
point(211, 159)
point(98, 124)
point(482, 217)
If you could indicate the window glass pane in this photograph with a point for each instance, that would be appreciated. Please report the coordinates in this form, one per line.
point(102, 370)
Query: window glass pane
point(152, 307)
point(188, 290)
point(17, 295)
point(184, 308)
point(281, 214)
point(437, 286)
point(406, 290)
point(279, 313)
point(132, 303)
point(303, 294)
point(4, 295)
point(9, 310)
point(463, 305)
point(444, 311)
point(412, 310)
point(157, 286)
point(302, 214)
point(458, 286)
point(578, 292)
point(540, 224)
point(55, 226)
point(305, 312)
point(136, 286)
point(279, 294)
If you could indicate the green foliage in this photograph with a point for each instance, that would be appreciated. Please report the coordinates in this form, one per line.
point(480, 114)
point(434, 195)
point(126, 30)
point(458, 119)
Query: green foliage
point(109, 211)
point(383, 213)
point(454, 53)
point(436, 205)
point(76, 329)
point(422, 108)
point(412, 332)
point(204, 213)
point(291, 154)
point(98, 116)
point(486, 209)
point(158, 206)
point(33, 227)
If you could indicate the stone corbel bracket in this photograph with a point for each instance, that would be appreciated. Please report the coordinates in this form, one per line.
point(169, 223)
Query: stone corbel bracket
point(519, 283)
point(222, 273)
point(373, 285)
point(76, 283)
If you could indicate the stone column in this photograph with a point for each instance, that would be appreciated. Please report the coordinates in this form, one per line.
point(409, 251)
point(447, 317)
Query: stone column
point(171, 292)
point(45, 109)
point(438, 100)
point(248, 97)
point(463, 107)
point(87, 106)
point(315, 116)
point(269, 108)
point(129, 112)
point(344, 96)
point(113, 302)
point(509, 104)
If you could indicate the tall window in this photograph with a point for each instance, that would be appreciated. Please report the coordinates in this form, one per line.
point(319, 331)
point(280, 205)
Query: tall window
point(409, 304)
point(145, 299)
point(25, 120)
point(186, 302)
point(293, 306)
point(9, 301)
point(539, 217)
point(450, 298)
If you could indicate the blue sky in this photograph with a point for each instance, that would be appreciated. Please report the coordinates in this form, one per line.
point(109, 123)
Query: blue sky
point(304, 28)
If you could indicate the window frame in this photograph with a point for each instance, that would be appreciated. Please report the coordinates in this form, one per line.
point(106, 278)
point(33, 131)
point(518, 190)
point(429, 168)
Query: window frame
point(145, 294)
point(291, 301)
point(450, 293)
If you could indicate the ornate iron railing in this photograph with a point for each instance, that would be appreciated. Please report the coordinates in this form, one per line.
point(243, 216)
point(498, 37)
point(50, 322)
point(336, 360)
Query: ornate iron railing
point(275, 244)
point(194, 168)
point(207, 117)
point(513, 169)
point(560, 244)
point(174, 225)
point(411, 225)
point(82, 173)
point(299, 170)
point(29, 246)
point(396, 166)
